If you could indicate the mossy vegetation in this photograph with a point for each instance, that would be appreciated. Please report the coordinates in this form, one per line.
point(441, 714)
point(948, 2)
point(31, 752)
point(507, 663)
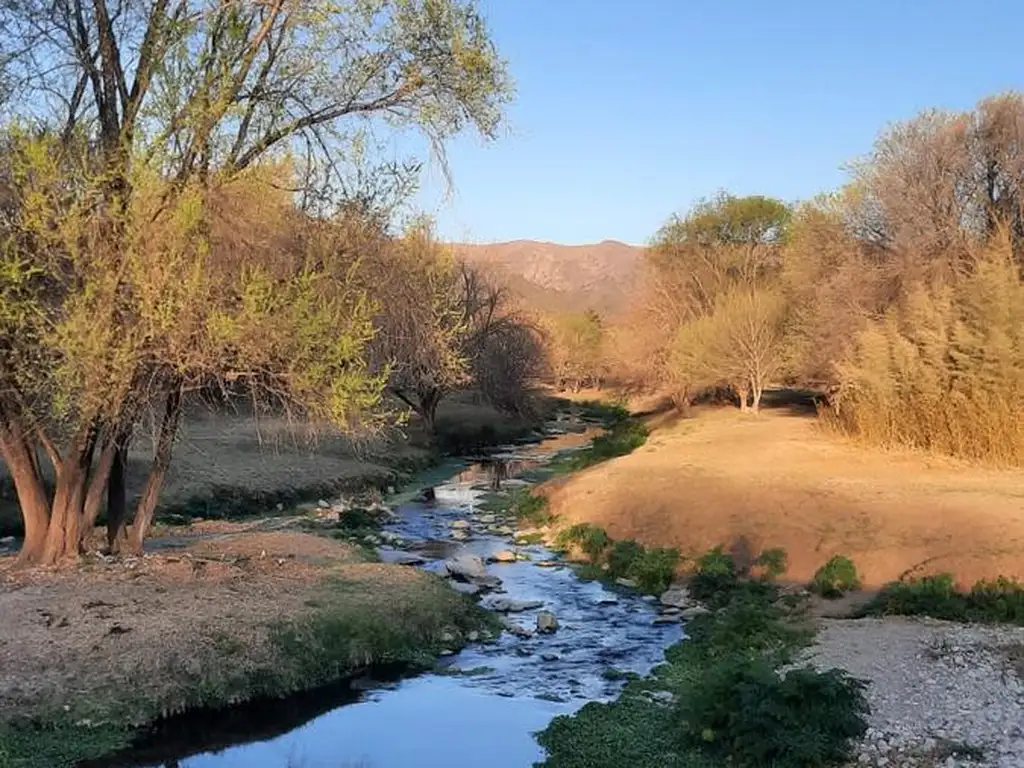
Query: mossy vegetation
point(719, 698)
point(651, 569)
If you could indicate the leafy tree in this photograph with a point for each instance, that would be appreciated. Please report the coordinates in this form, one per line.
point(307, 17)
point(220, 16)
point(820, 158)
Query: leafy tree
point(148, 109)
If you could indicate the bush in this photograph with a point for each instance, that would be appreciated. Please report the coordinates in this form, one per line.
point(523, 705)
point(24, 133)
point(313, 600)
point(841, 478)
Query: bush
point(592, 539)
point(773, 562)
point(622, 439)
point(622, 556)
point(714, 574)
point(528, 507)
point(654, 570)
point(836, 577)
point(997, 601)
point(743, 711)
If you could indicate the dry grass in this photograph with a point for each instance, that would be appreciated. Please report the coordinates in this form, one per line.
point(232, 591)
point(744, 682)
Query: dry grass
point(123, 642)
point(778, 480)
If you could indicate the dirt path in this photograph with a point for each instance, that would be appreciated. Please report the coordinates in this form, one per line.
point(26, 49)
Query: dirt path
point(777, 480)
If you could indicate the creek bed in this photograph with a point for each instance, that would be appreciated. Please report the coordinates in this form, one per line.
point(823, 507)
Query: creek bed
point(485, 703)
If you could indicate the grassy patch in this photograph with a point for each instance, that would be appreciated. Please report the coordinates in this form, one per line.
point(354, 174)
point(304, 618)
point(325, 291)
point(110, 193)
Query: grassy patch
point(622, 439)
point(654, 570)
point(348, 625)
point(591, 539)
point(57, 743)
point(998, 601)
point(727, 705)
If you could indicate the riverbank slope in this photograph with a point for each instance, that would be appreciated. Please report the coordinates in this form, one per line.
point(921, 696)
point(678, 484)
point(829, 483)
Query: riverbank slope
point(778, 480)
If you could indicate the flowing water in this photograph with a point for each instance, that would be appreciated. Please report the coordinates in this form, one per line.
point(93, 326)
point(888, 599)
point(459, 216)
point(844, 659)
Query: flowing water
point(508, 689)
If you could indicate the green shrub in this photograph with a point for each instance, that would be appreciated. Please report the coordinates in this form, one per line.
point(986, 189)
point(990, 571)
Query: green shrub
point(621, 557)
point(593, 540)
point(997, 601)
point(624, 438)
point(743, 711)
point(836, 577)
point(713, 575)
point(654, 570)
point(773, 562)
point(530, 508)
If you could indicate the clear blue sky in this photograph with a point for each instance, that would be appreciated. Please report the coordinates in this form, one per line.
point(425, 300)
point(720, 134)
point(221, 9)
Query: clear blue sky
point(629, 110)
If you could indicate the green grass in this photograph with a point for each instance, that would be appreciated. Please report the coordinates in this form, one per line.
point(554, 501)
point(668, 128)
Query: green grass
point(591, 539)
point(999, 601)
point(349, 626)
point(58, 743)
point(730, 706)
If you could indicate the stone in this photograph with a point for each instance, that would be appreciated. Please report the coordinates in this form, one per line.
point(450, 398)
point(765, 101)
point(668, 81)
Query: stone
point(508, 605)
point(486, 519)
point(676, 597)
point(606, 598)
point(473, 636)
point(466, 567)
point(504, 556)
point(550, 656)
point(395, 557)
point(546, 622)
point(516, 629)
point(457, 524)
point(460, 535)
point(447, 638)
point(627, 583)
point(465, 587)
point(693, 612)
point(504, 530)
point(549, 564)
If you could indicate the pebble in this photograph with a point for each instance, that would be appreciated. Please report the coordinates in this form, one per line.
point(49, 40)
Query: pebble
point(934, 688)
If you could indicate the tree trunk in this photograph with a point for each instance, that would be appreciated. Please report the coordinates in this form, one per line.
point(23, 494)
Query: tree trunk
point(117, 499)
point(741, 391)
point(161, 461)
point(20, 460)
point(758, 390)
point(97, 487)
point(64, 531)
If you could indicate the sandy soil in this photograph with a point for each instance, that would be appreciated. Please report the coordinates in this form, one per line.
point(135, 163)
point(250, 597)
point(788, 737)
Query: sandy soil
point(162, 624)
point(778, 480)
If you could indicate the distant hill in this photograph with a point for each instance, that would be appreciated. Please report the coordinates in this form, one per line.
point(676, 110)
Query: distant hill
point(557, 278)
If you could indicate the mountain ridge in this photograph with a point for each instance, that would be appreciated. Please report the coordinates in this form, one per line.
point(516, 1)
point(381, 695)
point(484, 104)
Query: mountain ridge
point(553, 277)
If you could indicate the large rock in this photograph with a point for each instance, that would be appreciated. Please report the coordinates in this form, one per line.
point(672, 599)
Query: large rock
point(508, 605)
point(677, 597)
point(693, 612)
point(546, 622)
point(465, 588)
point(467, 567)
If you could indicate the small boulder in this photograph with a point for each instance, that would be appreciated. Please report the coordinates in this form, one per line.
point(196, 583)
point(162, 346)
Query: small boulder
point(546, 622)
point(677, 597)
point(504, 556)
point(508, 605)
point(466, 567)
point(667, 619)
point(456, 524)
point(516, 629)
point(548, 656)
point(460, 534)
point(627, 583)
point(395, 557)
point(465, 588)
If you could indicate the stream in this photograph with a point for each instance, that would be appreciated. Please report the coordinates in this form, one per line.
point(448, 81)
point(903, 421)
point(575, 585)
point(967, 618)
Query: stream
point(486, 703)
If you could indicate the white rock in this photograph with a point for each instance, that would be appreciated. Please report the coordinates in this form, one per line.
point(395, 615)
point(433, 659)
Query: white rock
point(457, 524)
point(465, 566)
point(546, 622)
point(504, 556)
point(677, 597)
point(508, 605)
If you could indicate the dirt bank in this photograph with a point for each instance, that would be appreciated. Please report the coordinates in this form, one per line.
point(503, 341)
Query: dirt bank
point(89, 653)
point(778, 480)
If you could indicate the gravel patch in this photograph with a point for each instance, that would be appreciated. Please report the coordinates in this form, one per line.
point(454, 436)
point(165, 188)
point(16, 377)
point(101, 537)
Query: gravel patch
point(941, 694)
